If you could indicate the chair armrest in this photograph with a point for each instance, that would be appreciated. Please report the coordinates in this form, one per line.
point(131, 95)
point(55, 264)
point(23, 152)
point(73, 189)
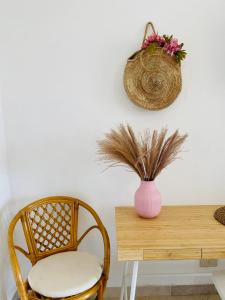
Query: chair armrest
point(106, 242)
point(21, 285)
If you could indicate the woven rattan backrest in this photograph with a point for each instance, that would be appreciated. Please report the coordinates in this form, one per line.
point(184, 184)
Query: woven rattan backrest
point(50, 226)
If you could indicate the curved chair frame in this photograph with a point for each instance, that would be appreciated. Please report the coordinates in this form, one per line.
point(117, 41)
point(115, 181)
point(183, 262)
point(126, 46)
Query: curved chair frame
point(35, 250)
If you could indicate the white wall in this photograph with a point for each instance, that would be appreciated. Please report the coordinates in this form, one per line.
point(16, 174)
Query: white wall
point(61, 72)
point(6, 286)
point(4, 180)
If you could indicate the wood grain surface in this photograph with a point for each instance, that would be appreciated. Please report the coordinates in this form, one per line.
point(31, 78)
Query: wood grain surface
point(179, 232)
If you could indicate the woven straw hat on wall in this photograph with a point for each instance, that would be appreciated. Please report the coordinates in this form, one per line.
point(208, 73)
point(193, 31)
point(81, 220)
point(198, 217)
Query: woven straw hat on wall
point(152, 80)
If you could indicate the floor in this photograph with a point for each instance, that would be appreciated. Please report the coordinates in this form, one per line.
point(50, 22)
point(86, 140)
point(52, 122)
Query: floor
point(198, 297)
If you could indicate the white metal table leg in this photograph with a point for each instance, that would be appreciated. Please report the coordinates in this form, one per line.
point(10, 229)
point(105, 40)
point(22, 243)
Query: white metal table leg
point(123, 291)
point(134, 280)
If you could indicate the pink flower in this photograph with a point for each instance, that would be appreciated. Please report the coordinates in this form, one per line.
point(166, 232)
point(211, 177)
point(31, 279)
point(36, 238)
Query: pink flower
point(154, 38)
point(172, 47)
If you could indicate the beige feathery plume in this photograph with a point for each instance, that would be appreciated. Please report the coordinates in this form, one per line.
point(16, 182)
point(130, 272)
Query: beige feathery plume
point(147, 155)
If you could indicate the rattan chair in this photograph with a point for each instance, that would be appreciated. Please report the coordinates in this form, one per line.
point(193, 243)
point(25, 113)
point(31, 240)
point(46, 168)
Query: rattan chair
point(50, 228)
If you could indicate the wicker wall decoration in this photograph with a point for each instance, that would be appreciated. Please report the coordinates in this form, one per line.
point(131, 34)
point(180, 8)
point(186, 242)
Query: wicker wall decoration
point(152, 80)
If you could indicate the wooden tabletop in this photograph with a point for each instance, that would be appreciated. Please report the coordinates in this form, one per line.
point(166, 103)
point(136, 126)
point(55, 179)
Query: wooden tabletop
point(179, 232)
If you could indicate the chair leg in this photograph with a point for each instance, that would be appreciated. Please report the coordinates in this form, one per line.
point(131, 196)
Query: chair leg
point(100, 292)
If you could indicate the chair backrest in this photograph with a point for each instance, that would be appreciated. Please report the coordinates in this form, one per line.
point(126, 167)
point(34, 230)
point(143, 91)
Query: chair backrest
point(50, 226)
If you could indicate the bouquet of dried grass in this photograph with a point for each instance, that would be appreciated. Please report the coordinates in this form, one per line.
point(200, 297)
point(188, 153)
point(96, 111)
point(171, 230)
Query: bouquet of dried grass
point(146, 155)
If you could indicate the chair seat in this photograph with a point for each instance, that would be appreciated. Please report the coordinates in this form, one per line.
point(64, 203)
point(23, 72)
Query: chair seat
point(65, 274)
point(219, 282)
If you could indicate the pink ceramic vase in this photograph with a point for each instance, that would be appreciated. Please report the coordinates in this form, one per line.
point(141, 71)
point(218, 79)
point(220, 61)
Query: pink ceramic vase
point(147, 200)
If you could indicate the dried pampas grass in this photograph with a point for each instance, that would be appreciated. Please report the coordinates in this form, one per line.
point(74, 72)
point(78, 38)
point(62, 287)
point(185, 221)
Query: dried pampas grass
point(147, 155)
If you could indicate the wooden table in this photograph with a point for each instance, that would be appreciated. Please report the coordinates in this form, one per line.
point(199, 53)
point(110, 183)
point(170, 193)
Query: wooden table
point(179, 232)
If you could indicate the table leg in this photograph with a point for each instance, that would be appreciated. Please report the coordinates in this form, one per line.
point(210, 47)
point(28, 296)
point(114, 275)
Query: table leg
point(134, 280)
point(123, 291)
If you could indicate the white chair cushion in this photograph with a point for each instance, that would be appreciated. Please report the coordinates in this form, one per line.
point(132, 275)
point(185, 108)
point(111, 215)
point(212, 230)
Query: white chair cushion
point(219, 282)
point(65, 274)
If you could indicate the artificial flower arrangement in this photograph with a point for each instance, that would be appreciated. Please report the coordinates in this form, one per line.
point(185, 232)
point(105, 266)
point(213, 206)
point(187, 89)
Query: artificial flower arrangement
point(168, 43)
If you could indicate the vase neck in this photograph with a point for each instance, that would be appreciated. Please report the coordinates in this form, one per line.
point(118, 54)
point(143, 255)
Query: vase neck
point(145, 182)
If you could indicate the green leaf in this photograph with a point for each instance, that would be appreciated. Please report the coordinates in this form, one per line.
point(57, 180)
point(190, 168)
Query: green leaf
point(180, 55)
point(181, 45)
point(152, 47)
point(167, 38)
